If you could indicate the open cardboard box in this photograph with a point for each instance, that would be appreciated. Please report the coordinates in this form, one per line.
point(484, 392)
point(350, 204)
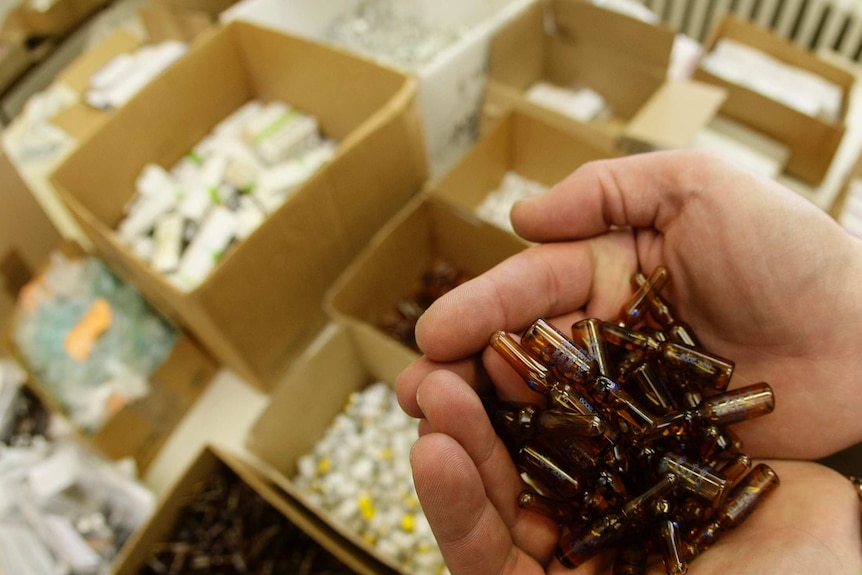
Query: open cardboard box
point(213, 459)
point(140, 428)
point(60, 18)
point(27, 236)
point(263, 301)
point(620, 57)
point(520, 143)
point(390, 268)
point(80, 120)
point(812, 141)
point(451, 84)
point(302, 409)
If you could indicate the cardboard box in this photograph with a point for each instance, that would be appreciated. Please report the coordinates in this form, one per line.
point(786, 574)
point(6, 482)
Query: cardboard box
point(813, 141)
point(450, 85)
point(263, 302)
point(301, 410)
point(60, 17)
point(140, 428)
point(620, 57)
point(520, 143)
point(392, 264)
point(14, 61)
point(27, 236)
point(213, 459)
point(80, 120)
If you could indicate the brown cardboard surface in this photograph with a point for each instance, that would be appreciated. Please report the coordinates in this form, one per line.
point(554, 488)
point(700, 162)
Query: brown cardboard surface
point(60, 18)
point(135, 552)
point(391, 265)
point(163, 21)
point(27, 236)
point(140, 428)
point(812, 141)
point(263, 302)
point(316, 390)
point(672, 117)
point(520, 143)
point(14, 61)
point(623, 59)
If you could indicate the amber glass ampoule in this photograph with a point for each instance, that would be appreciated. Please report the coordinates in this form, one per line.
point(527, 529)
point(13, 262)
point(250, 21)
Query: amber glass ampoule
point(521, 420)
point(634, 310)
point(589, 334)
point(652, 387)
point(535, 375)
point(663, 314)
point(631, 559)
point(695, 478)
point(624, 409)
point(671, 546)
point(721, 409)
point(741, 502)
point(552, 348)
point(538, 377)
point(554, 422)
point(546, 469)
point(577, 545)
point(707, 368)
point(558, 510)
point(733, 469)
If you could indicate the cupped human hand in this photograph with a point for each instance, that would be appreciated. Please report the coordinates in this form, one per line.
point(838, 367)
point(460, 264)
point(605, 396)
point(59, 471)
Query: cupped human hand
point(764, 277)
point(468, 487)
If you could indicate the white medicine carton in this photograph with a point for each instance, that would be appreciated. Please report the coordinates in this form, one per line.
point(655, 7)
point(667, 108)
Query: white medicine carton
point(451, 84)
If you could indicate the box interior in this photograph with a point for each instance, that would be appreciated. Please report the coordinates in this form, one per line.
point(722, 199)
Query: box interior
point(519, 143)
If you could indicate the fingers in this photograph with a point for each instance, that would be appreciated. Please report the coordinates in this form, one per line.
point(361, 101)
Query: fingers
point(644, 190)
point(540, 282)
point(409, 379)
point(472, 536)
point(451, 407)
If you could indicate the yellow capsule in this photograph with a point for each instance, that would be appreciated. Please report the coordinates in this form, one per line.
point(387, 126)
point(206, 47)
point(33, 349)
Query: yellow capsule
point(387, 454)
point(408, 523)
point(366, 506)
point(324, 464)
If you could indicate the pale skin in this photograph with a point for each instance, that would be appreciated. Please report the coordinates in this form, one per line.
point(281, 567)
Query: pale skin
point(763, 277)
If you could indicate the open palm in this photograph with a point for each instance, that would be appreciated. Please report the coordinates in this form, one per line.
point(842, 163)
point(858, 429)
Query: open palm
point(763, 277)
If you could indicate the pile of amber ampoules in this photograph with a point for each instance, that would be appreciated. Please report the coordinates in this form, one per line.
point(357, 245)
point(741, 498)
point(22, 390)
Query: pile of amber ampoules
point(629, 448)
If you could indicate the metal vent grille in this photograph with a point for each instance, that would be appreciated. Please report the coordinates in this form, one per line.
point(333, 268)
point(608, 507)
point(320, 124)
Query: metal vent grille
point(834, 25)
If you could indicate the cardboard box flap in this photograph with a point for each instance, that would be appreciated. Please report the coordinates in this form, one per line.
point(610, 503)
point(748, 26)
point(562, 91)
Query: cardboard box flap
point(77, 74)
point(516, 55)
point(607, 31)
point(622, 81)
point(675, 113)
